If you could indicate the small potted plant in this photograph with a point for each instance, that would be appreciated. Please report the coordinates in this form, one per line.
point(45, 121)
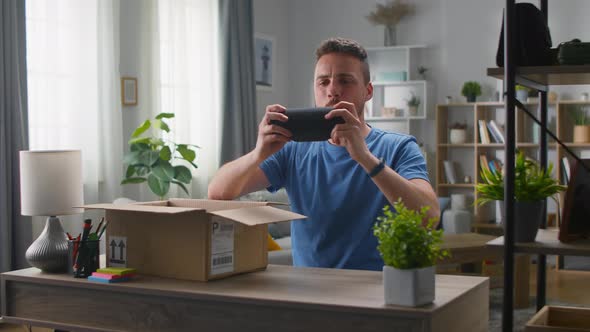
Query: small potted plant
point(409, 249)
point(532, 186)
point(153, 159)
point(458, 133)
point(581, 125)
point(471, 90)
point(413, 104)
point(522, 93)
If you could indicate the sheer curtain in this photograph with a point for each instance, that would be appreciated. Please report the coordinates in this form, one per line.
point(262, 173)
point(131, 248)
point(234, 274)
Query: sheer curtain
point(189, 81)
point(73, 86)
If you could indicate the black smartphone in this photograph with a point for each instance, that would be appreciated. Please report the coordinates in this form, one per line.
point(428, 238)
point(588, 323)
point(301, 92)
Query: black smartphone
point(309, 124)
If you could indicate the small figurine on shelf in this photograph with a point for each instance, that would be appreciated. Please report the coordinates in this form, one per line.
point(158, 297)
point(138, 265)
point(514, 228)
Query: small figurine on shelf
point(422, 72)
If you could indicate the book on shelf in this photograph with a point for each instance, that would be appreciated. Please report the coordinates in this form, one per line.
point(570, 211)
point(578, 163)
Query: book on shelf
point(450, 172)
point(483, 132)
point(483, 161)
point(496, 131)
point(565, 166)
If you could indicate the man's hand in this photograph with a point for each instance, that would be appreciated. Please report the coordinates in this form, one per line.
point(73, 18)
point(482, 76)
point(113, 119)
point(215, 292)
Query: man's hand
point(350, 133)
point(271, 138)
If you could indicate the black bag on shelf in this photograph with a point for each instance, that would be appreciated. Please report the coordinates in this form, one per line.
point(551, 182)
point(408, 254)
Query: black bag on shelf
point(533, 40)
point(573, 53)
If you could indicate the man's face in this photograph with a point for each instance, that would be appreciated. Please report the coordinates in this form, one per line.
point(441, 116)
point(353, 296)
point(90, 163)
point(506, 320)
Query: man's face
point(339, 77)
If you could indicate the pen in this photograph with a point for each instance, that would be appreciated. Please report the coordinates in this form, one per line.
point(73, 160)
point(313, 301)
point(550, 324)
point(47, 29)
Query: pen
point(103, 229)
point(99, 224)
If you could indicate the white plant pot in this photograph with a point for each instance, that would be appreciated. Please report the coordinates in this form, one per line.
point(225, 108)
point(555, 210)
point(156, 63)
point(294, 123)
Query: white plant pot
point(413, 287)
point(458, 136)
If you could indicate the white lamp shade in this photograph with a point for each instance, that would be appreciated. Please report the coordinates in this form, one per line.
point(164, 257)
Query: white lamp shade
point(51, 182)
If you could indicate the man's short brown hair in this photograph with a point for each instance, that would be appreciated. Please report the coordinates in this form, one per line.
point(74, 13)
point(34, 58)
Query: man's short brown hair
point(345, 46)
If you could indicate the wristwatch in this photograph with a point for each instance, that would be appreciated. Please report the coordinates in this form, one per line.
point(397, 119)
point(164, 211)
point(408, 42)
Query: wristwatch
point(377, 169)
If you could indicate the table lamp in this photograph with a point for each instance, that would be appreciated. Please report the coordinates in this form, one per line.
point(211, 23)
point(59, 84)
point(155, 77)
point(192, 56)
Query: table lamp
point(51, 185)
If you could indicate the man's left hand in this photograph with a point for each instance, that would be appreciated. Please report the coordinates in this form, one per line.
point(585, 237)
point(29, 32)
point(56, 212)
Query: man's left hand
point(350, 133)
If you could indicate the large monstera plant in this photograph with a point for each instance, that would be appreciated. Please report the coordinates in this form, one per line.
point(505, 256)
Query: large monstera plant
point(154, 160)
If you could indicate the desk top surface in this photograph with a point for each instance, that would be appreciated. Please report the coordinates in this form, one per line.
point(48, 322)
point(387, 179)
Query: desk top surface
point(283, 285)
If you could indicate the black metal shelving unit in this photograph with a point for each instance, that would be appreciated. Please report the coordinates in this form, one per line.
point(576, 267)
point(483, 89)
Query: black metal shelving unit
point(538, 78)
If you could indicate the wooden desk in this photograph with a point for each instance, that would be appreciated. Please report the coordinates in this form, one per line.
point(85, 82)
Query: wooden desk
point(282, 297)
point(469, 248)
point(547, 243)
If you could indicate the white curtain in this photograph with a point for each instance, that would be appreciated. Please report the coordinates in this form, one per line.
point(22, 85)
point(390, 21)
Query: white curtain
point(73, 83)
point(188, 71)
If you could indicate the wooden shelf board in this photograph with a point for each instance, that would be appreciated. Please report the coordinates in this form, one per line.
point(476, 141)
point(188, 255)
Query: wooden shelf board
point(577, 145)
point(392, 119)
point(463, 145)
point(549, 75)
point(548, 244)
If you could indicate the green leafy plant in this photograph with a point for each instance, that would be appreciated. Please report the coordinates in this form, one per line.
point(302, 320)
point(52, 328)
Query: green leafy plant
point(531, 182)
point(152, 159)
point(579, 116)
point(521, 88)
point(404, 242)
point(414, 100)
point(471, 88)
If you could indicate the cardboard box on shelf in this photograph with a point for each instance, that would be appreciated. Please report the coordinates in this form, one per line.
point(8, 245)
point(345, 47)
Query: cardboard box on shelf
point(559, 318)
point(191, 239)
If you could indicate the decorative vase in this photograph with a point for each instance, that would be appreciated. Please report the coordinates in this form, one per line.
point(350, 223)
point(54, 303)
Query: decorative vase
point(49, 252)
point(412, 287)
point(582, 134)
point(390, 35)
point(527, 219)
point(458, 136)
point(456, 221)
point(413, 110)
point(470, 98)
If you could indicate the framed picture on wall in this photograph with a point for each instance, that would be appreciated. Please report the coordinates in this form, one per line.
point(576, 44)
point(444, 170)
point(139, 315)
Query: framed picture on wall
point(128, 91)
point(264, 59)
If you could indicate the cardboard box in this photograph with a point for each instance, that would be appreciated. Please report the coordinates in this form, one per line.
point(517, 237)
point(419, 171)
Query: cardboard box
point(190, 239)
point(556, 318)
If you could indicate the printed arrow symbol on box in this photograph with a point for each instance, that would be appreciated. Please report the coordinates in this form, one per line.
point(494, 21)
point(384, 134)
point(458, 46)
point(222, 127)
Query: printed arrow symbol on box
point(113, 245)
point(121, 248)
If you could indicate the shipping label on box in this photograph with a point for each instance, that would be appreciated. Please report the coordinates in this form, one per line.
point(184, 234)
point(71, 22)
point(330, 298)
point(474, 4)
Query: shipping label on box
point(222, 245)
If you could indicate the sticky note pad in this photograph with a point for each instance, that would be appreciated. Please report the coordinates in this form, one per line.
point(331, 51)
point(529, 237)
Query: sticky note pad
point(111, 276)
point(117, 270)
point(108, 281)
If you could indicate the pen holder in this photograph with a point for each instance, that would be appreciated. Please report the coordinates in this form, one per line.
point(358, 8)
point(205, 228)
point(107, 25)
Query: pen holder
point(83, 257)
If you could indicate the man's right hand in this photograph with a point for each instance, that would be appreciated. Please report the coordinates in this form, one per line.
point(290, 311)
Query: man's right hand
point(271, 137)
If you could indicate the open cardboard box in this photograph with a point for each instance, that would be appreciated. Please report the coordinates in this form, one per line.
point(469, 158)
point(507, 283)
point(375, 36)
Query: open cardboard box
point(191, 239)
point(563, 319)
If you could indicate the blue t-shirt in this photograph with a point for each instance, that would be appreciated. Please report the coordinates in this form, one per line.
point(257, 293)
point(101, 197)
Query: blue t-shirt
point(339, 198)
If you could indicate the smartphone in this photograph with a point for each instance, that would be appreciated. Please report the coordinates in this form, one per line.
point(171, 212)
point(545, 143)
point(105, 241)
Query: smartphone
point(309, 124)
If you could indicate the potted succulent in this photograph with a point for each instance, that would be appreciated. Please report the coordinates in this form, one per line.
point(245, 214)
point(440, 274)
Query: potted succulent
point(413, 104)
point(458, 133)
point(409, 250)
point(153, 159)
point(532, 186)
point(471, 90)
point(581, 125)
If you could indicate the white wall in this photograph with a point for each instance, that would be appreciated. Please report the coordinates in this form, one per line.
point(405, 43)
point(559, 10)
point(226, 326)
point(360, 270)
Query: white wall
point(462, 36)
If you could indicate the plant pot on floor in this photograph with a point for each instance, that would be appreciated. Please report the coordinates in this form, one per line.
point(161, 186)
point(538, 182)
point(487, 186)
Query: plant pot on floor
point(412, 287)
point(527, 219)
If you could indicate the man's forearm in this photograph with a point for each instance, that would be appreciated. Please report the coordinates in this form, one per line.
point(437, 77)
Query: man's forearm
point(232, 178)
point(394, 186)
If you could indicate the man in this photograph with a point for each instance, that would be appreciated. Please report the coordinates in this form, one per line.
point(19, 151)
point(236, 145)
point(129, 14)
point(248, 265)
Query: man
point(340, 184)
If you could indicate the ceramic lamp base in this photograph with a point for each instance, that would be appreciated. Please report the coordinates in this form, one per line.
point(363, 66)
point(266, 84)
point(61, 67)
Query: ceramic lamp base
point(49, 252)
